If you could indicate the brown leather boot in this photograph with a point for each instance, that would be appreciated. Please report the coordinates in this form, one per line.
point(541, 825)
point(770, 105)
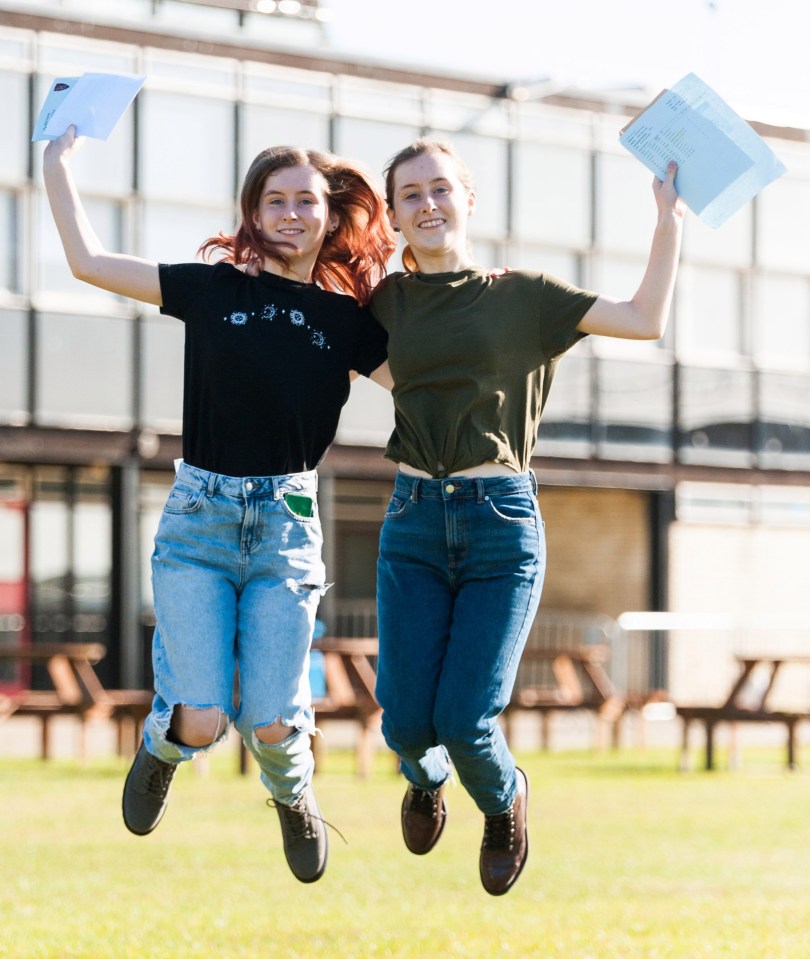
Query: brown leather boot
point(506, 843)
point(423, 817)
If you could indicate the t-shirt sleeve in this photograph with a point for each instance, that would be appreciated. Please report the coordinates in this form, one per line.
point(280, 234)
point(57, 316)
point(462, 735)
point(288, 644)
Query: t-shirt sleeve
point(562, 308)
point(181, 286)
point(371, 345)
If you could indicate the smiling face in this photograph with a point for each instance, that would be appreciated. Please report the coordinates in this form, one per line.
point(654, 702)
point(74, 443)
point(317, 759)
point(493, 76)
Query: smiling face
point(293, 214)
point(431, 205)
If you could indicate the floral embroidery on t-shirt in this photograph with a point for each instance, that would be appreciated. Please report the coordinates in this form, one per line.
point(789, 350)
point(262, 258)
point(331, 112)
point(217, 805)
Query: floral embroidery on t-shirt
point(238, 318)
point(296, 318)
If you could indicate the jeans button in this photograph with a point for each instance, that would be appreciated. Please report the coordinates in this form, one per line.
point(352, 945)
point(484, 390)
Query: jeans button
point(450, 488)
point(248, 486)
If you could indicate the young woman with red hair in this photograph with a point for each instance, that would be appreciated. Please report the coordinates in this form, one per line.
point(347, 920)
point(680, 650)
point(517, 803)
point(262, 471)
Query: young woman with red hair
point(271, 345)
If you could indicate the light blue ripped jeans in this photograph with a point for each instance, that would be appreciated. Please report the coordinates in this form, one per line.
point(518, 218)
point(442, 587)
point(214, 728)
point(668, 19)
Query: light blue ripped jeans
point(237, 576)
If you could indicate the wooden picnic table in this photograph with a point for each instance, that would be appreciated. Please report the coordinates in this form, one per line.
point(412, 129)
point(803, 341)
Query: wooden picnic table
point(350, 676)
point(76, 690)
point(746, 704)
point(578, 681)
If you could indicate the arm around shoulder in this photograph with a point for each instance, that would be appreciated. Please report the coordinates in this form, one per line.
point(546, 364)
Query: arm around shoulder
point(88, 259)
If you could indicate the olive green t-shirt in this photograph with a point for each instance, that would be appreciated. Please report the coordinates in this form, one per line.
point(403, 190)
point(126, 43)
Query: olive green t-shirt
point(472, 356)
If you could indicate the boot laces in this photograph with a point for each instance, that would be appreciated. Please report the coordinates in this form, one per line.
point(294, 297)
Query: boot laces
point(158, 777)
point(300, 820)
point(499, 831)
point(424, 802)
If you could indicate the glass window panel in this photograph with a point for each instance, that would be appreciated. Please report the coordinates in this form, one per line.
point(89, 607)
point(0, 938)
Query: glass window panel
point(782, 319)
point(294, 88)
point(486, 159)
point(69, 56)
point(451, 111)
point(784, 414)
point(380, 100)
point(191, 72)
point(625, 206)
point(13, 366)
point(620, 277)
point(565, 429)
point(709, 312)
point(551, 196)
point(50, 562)
point(373, 144)
point(173, 234)
point(263, 126)
point(188, 147)
point(84, 371)
point(53, 272)
point(730, 246)
point(162, 386)
point(559, 263)
point(634, 407)
point(14, 141)
point(715, 415)
point(9, 242)
point(783, 238)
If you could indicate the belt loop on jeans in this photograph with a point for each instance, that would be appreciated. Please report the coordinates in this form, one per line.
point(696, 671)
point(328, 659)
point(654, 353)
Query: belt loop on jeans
point(276, 485)
point(479, 485)
point(212, 485)
point(415, 489)
point(533, 477)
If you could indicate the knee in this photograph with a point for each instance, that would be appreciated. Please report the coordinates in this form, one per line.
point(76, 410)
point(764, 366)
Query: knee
point(408, 738)
point(197, 727)
point(273, 733)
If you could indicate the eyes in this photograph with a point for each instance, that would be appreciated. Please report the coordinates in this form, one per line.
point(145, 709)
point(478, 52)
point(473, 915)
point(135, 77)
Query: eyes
point(415, 195)
point(278, 201)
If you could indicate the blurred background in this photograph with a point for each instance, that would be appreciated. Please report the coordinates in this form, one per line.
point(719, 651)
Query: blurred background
point(675, 476)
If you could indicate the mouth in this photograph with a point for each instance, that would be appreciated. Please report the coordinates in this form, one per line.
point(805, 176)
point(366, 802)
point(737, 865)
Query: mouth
point(432, 224)
point(290, 232)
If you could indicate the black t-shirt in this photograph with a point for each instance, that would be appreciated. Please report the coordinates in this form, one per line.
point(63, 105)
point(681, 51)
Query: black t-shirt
point(267, 364)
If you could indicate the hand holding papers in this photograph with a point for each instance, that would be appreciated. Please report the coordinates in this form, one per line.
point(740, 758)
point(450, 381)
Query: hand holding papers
point(93, 103)
point(722, 162)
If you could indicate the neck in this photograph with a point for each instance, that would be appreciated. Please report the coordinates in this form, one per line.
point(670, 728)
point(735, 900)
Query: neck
point(442, 262)
point(296, 271)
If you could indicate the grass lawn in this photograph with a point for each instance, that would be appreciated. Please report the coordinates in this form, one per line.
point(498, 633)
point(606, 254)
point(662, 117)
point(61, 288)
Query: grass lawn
point(629, 860)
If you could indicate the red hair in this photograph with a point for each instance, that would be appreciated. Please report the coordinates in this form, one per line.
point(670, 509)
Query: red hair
point(352, 258)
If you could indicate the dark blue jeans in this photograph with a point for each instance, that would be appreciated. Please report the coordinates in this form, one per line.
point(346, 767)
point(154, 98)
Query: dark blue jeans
point(459, 578)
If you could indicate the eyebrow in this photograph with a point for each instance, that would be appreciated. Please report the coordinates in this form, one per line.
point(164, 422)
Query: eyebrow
point(298, 192)
point(412, 186)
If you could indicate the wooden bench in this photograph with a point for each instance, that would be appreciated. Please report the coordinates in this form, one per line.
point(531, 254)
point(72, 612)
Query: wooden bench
point(554, 680)
point(77, 691)
point(744, 705)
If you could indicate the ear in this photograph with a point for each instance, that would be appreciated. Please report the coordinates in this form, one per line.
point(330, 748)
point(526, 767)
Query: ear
point(392, 219)
point(334, 223)
point(471, 203)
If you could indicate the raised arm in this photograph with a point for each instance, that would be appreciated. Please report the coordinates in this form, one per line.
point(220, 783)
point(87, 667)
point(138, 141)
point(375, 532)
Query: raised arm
point(86, 256)
point(644, 317)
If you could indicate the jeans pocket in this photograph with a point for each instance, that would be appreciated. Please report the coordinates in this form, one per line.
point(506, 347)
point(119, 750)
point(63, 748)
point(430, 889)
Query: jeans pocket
point(396, 507)
point(184, 499)
point(300, 507)
point(514, 508)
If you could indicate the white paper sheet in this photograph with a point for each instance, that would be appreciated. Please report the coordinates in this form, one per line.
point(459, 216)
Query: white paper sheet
point(722, 162)
point(93, 102)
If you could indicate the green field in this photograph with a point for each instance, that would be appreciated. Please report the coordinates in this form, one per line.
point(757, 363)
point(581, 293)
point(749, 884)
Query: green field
point(629, 860)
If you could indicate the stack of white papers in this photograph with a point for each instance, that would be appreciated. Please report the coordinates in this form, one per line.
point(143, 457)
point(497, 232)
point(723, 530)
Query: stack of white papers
point(722, 162)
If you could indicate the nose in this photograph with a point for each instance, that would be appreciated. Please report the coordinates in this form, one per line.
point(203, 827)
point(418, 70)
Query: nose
point(428, 204)
point(290, 214)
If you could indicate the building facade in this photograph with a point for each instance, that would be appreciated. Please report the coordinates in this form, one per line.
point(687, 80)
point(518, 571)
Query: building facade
point(652, 456)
